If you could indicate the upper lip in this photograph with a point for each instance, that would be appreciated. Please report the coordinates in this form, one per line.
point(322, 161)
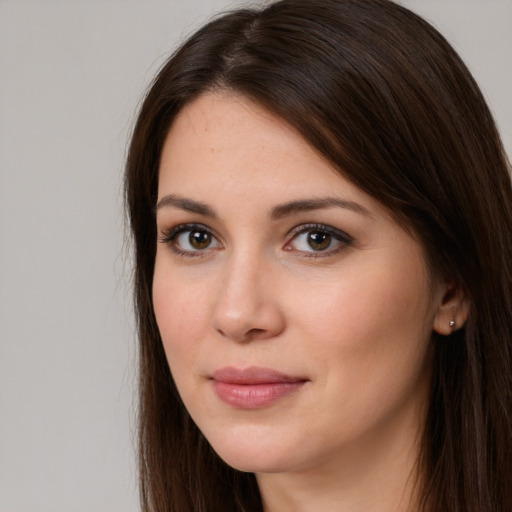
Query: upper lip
point(253, 375)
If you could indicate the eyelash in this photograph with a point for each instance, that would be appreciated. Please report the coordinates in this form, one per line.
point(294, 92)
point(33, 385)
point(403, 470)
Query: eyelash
point(344, 240)
point(169, 237)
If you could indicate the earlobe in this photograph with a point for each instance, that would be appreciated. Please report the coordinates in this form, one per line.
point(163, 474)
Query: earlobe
point(453, 310)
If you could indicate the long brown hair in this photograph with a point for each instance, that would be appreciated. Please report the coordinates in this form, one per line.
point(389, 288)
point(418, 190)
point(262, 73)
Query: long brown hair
point(384, 97)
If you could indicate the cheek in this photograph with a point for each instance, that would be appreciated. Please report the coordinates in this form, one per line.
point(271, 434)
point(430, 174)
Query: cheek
point(181, 312)
point(355, 306)
point(370, 357)
point(368, 330)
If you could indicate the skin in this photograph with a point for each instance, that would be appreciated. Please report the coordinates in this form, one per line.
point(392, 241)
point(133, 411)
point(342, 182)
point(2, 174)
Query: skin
point(353, 319)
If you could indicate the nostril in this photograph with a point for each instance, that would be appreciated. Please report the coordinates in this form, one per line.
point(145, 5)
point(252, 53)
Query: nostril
point(255, 332)
point(251, 334)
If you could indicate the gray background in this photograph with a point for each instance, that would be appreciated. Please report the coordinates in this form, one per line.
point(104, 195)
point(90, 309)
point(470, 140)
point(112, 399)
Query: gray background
point(71, 75)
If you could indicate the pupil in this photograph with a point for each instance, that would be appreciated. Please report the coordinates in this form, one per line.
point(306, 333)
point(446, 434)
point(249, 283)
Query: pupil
point(199, 239)
point(318, 240)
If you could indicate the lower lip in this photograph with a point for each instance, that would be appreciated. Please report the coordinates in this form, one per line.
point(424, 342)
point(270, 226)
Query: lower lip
point(254, 396)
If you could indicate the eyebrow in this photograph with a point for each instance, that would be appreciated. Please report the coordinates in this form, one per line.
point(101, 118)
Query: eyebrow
point(305, 205)
point(278, 212)
point(188, 205)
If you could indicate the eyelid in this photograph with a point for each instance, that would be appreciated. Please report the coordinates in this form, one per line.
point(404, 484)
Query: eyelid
point(302, 228)
point(168, 236)
point(342, 237)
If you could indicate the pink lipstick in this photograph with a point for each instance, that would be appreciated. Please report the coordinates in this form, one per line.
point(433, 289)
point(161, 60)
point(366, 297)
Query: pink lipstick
point(253, 388)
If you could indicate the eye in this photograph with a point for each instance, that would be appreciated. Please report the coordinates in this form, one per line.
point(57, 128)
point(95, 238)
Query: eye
point(318, 239)
point(190, 239)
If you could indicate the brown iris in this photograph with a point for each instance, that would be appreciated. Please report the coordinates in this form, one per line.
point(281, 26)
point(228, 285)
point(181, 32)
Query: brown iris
point(319, 240)
point(200, 239)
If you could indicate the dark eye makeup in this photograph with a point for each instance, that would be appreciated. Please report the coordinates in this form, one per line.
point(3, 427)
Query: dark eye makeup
point(310, 240)
point(317, 240)
point(190, 239)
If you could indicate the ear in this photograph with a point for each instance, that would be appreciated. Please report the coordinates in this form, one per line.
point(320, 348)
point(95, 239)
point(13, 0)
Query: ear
point(452, 310)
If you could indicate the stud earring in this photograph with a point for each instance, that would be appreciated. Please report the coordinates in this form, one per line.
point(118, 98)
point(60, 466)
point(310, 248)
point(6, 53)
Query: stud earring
point(452, 325)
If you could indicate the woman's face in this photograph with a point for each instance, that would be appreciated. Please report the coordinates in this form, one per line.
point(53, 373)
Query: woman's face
point(295, 313)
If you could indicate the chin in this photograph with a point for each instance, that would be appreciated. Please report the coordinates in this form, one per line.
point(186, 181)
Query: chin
point(254, 463)
point(250, 454)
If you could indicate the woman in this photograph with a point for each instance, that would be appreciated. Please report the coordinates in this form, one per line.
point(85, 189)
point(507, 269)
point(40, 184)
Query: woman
point(321, 210)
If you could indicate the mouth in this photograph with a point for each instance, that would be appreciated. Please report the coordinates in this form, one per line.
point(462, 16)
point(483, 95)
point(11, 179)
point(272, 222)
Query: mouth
point(253, 387)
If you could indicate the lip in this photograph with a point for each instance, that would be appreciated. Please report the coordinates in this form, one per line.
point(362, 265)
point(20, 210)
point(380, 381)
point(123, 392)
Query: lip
point(253, 387)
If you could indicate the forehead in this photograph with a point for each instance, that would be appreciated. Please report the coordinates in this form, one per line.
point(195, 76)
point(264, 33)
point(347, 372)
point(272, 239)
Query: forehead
point(227, 139)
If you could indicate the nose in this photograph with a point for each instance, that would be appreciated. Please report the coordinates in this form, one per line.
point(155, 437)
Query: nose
point(247, 306)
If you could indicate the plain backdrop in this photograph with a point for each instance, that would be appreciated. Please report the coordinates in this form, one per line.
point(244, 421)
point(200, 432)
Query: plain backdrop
point(71, 76)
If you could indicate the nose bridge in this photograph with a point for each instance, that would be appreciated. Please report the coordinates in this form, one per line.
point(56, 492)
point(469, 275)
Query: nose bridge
point(246, 305)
